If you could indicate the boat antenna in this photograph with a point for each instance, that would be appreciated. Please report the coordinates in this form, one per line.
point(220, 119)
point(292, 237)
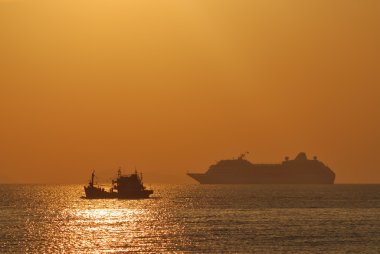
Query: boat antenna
point(242, 156)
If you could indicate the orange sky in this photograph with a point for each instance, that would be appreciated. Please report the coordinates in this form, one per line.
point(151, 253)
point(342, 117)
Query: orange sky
point(170, 86)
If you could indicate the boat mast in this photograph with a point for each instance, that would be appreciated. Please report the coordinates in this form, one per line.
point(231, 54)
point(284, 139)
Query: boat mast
point(92, 178)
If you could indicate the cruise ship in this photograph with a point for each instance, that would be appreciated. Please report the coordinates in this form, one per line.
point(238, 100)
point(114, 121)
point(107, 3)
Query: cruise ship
point(300, 170)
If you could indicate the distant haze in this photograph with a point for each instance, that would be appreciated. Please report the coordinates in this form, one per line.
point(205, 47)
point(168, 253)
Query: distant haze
point(170, 86)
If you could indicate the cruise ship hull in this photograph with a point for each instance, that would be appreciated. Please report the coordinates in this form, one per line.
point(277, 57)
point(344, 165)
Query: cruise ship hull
point(205, 179)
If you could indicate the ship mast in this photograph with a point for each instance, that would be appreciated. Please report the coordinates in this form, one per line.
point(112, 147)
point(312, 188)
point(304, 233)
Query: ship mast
point(92, 178)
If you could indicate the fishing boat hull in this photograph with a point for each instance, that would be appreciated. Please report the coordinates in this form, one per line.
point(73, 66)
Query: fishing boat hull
point(98, 193)
point(135, 195)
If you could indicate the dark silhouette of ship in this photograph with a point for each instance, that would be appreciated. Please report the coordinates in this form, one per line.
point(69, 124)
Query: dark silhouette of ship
point(301, 170)
point(123, 187)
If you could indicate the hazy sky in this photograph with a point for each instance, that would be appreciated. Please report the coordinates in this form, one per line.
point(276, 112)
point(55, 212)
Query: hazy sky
point(170, 86)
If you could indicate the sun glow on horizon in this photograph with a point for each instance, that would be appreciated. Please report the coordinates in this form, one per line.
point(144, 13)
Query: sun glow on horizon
point(171, 86)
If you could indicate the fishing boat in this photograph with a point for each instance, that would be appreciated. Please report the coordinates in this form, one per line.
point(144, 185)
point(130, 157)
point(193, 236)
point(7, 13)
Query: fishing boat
point(123, 187)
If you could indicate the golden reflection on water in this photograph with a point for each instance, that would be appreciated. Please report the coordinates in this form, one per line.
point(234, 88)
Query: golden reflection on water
point(113, 229)
point(104, 215)
point(119, 226)
point(199, 219)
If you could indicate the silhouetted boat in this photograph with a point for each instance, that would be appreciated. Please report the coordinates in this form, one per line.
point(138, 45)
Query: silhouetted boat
point(130, 186)
point(123, 187)
point(240, 171)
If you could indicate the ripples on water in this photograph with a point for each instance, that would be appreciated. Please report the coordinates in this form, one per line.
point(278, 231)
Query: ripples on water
point(192, 218)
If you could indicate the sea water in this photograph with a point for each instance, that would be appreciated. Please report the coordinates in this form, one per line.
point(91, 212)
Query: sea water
point(193, 218)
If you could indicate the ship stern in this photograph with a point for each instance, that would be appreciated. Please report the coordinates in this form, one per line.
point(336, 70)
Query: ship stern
point(201, 178)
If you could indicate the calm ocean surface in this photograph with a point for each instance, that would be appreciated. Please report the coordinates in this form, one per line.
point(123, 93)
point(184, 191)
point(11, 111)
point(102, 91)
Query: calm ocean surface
point(192, 218)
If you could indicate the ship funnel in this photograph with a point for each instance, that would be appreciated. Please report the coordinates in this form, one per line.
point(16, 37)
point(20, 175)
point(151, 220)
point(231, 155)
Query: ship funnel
point(301, 156)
